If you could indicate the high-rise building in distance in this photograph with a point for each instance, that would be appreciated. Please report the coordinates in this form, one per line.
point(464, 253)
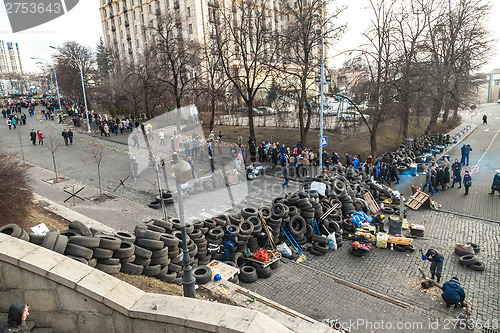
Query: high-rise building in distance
point(10, 58)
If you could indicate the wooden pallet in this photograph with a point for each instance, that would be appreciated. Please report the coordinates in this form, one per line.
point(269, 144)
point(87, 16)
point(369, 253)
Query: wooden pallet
point(417, 200)
point(372, 204)
point(275, 256)
point(226, 272)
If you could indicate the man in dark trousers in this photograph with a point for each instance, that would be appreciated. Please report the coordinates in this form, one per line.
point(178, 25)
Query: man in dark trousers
point(496, 182)
point(436, 260)
point(466, 152)
point(33, 137)
point(467, 182)
point(453, 293)
point(65, 136)
point(456, 168)
point(348, 160)
point(485, 119)
point(378, 221)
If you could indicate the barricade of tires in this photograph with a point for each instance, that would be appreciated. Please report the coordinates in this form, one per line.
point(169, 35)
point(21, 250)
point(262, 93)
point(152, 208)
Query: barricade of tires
point(468, 256)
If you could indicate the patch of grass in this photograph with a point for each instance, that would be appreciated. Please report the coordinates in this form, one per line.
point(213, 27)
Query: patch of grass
point(37, 215)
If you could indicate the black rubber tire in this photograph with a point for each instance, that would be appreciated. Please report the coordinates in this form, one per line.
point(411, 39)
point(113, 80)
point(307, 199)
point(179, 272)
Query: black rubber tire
point(110, 261)
point(248, 274)
point(156, 228)
point(174, 268)
point(147, 234)
point(246, 212)
point(132, 269)
point(167, 225)
point(388, 211)
point(160, 253)
point(154, 205)
point(126, 250)
point(80, 259)
point(238, 259)
point(163, 261)
point(78, 251)
point(50, 240)
point(169, 277)
point(142, 252)
point(275, 264)
point(461, 251)
point(92, 262)
point(410, 248)
point(36, 239)
point(80, 227)
point(142, 261)
point(478, 266)
point(234, 230)
point(202, 274)
point(109, 242)
point(125, 236)
point(60, 244)
point(109, 269)
point(151, 270)
point(315, 252)
point(24, 236)
point(215, 234)
point(319, 239)
point(321, 247)
point(12, 230)
point(150, 244)
point(85, 241)
point(163, 272)
point(467, 260)
point(128, 259)
point(263, 272)
point(400, 248)
point(102, 253)
point(475, 247)
point(169, 240)
point(297, 225)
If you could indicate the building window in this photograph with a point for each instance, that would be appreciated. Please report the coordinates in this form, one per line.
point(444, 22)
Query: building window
point(138, 45)
point(119, 20)
point(190, 28)
point(189, 11)
point(142, 15)
point(150, 11)
point(136, 30)
point(134, 15)
point(180, 33)
point(132, 2)
point(168, 5)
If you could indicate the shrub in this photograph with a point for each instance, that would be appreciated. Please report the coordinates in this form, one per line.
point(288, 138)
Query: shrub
point(14, 193)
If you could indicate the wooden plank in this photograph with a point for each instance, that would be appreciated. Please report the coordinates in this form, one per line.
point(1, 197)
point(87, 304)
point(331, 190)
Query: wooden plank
point(372, 204)
point(226, 272)
point(399, 240)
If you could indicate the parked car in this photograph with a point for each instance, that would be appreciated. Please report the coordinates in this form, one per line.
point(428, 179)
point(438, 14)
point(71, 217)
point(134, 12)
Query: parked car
point(351, 116)
point(255, 111)
point(266, 109)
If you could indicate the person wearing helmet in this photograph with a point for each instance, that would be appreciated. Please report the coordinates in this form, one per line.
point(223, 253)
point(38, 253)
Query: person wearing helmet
point(378, 221)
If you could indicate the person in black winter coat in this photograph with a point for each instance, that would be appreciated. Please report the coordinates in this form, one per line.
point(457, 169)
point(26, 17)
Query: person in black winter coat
point(440, 177)
point(16, 321)
point(467, 182)
point(496, 182)
point(446, 177)
point(456, 168)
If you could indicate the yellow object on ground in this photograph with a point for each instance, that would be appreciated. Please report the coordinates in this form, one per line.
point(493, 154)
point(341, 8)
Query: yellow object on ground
point(301, 258)
point(382, 240)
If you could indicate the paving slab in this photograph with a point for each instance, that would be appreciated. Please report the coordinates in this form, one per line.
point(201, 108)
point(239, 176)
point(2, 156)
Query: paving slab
point(68, 272)
point(96, 284)
point(40, 261)
point(122, 297)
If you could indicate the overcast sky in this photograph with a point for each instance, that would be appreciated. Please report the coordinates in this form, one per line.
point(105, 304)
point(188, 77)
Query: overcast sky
point(83, 25)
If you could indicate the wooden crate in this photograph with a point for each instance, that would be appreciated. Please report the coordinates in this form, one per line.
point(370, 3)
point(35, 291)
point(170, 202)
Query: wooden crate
point(417, 200)
point(226, 272)
point(372, 204)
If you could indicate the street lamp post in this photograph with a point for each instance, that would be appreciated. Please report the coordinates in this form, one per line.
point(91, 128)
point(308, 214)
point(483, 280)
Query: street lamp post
point(55, 77)
point(181, 172)
point(83, 86)
point(322, 83)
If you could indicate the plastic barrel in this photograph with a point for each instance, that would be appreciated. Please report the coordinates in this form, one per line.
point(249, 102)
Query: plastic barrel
point(395, 225)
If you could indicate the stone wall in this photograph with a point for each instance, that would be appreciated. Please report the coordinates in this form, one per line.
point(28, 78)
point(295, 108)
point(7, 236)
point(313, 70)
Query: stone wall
point(71, 297)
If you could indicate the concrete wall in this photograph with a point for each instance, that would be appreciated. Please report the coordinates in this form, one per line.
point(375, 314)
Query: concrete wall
point(71, 297)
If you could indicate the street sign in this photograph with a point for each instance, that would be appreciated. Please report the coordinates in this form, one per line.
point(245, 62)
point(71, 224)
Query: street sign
point(324, 141)
point(328, 78)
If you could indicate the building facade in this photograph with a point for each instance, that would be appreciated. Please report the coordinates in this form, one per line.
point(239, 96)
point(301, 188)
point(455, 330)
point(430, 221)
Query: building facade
point(10, 58)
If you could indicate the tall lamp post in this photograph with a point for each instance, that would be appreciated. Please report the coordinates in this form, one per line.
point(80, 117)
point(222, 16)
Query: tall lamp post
point(83, 85)
point(55, 77)
point(181, 172)
point(322, 83)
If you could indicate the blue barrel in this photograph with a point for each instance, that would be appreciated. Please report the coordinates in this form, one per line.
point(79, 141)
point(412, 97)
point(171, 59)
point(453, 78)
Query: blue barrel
point(395, 225)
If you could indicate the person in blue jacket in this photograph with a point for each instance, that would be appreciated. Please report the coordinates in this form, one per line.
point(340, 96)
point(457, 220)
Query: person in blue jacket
point(453, 293)
point(436, 260)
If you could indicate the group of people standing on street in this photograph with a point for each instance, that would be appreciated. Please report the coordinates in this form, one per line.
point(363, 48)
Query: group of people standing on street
point(440, 176)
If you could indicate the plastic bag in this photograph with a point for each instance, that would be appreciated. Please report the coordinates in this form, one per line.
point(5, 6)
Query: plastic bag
point(332, 242)
point(284, 249)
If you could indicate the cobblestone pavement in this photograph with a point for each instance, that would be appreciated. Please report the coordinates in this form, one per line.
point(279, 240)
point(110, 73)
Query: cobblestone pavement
point(312, 287)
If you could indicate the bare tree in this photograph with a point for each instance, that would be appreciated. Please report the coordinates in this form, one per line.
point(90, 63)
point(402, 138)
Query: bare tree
point(53, 145)
point(380, 55)
point(176, 57)
point(97, 154)
point(21, 144)
point(247, 47)
point(301, 51)
point(68, 60)
point(457, 44)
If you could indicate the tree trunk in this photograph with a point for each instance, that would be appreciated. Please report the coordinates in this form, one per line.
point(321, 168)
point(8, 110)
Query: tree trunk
point(212, 109)
point(54, 161)
point(179, 114)
point(303, 134)
point(99, 178)
point(434, 116)
point(251, 129)
point(373, 141)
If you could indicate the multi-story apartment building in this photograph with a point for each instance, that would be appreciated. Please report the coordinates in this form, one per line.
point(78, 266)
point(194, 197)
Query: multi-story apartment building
point(10, 58)
point(125, 22)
